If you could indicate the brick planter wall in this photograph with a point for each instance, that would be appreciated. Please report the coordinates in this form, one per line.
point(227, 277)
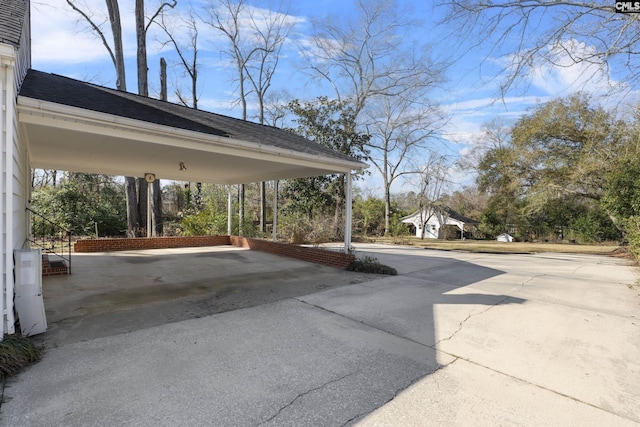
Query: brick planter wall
point(112, 245)
point(318, 256)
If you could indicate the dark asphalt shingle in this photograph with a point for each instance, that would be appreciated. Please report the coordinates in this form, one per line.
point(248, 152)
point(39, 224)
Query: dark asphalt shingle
point(12, 17)
point(75, 93)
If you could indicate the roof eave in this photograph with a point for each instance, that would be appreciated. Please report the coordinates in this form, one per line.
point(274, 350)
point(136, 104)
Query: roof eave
point(34, 110)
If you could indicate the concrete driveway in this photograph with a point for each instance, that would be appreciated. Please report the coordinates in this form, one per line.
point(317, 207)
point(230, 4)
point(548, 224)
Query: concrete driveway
point(455, 339)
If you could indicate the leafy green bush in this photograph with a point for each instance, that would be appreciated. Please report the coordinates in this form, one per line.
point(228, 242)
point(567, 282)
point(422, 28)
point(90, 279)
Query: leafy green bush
point(594, 226)
point(632, 227)
point(79, 203)
point(203, 223)
point(370, 264)
point(208, 222)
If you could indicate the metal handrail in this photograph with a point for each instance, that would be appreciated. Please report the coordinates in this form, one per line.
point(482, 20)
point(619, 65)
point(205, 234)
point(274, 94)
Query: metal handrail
point(46, 234)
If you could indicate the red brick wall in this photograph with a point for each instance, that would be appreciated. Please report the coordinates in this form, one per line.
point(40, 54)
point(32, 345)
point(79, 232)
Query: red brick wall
point(319, 256)
point(110, 245)
point(47, 270)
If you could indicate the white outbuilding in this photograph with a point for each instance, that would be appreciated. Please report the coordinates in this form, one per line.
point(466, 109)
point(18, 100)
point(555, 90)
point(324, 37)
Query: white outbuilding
point(432, 222)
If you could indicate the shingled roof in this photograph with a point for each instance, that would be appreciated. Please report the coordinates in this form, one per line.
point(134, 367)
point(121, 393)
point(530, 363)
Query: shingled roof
point(12, 16)
point(66, 91)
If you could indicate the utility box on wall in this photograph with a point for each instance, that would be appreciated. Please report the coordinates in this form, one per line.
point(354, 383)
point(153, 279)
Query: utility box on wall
point(28, 288)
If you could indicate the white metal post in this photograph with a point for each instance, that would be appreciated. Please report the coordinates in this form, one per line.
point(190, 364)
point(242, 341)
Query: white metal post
point(229, 212)
point(149, 195)
point(347, 214)
point(275, 210)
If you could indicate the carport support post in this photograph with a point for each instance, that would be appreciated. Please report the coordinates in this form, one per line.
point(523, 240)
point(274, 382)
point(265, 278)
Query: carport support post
point(275, 211)
point(149, 196)
point(347, 214)
point(229, 212)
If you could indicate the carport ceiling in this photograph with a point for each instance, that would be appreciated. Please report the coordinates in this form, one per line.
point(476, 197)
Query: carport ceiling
point(76, 126)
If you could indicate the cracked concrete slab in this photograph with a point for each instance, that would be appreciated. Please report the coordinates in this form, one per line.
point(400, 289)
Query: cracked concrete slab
point(286, 363)
point(455, 339)
point(575, 352)
point(464, 394)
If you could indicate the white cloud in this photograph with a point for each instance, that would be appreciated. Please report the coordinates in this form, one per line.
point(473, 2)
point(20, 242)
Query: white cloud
point(561, 75)
point(61, 35)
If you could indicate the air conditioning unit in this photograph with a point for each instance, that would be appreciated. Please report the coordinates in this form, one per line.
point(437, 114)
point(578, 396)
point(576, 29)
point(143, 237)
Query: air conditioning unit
point(28, 288)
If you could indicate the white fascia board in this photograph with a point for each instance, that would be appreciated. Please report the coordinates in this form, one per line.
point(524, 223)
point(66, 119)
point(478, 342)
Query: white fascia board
point(33, 111)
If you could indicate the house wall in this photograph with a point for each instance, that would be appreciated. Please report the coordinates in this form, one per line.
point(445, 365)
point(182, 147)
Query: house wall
point(7, 131)
point(14, 171)
point(432, 229)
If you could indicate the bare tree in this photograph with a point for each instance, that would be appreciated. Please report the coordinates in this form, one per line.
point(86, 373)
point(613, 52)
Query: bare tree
point(183, 36)
point(399, 132)
point(550, 32)
point(143, 89)
point(115, 52)
point(495, 135)
point(432, 179)
point(141, 38)
point(134, 205)
point(270, 30)
point(367, 62)
point(117, 57)
point(366, 58)
point(225, 17)
point(255, 39)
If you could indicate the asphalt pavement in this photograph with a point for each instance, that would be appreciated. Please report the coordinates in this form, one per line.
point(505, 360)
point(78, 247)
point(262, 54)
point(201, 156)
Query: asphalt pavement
point(454, 339)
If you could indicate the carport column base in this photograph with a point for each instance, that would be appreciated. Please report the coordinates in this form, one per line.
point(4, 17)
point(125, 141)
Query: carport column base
point(347, 214)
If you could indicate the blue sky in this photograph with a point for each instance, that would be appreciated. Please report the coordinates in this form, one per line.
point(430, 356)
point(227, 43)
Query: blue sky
point(62, 44)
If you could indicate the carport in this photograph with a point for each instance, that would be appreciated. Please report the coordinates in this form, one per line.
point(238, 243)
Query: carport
point(66, 124)
point(77, 126)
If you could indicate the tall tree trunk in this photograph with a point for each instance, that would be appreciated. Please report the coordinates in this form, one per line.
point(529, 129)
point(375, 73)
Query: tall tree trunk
point(141, 37)
point(133, 215)
point(116, 30)
point(143, 192)
point(156, 204)
point(163, 79)
point(387, 208)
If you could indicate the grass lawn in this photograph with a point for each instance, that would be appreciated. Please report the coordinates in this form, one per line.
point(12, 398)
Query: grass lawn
point(502, 247)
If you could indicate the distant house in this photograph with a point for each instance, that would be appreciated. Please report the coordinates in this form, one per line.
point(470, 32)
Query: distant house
point(435, 221)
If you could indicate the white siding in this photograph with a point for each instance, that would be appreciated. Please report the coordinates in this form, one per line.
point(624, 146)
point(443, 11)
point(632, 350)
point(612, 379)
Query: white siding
point(14, 170)
point(21, 168)
point(7, 132)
